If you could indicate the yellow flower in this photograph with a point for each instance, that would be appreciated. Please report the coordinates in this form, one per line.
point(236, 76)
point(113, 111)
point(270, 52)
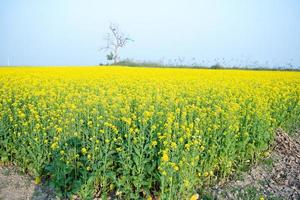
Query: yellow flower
point(165, 157)
point(83, 150)
point(176, 168)
point(119, 149)
point(195, 197)
point(108, 109)
point(186, 183)
point(89, 157)
point(187, 146)
point(59, 130)
point(54, 145)
point(173, 145)
point(154, 143)
point(181, 139)
point(37, 180)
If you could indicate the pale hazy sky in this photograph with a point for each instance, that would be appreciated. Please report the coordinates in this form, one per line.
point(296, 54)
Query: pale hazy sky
point(70, 32)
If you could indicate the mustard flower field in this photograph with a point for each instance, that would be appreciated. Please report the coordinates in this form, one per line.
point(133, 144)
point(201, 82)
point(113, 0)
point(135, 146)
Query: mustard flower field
point(140, 133)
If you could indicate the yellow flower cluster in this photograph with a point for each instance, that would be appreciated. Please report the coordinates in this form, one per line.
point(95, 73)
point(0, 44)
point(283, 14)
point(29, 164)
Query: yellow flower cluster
point(137, 130)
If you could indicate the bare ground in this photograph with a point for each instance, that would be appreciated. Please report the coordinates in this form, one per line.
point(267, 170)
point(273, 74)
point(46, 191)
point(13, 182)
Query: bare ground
point(276, 177)
point(17, 186)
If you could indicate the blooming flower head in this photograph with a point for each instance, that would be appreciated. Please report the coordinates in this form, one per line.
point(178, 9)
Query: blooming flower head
point(165, 157)
point(194, 197)
point(83, 150)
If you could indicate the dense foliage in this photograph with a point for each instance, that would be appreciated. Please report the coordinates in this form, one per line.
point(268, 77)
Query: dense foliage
point(140, 132)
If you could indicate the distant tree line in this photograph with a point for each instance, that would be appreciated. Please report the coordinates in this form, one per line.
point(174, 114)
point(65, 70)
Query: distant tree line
point(135, 63)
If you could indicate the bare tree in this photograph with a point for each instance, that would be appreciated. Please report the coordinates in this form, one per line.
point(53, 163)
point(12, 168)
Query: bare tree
point(115, 40)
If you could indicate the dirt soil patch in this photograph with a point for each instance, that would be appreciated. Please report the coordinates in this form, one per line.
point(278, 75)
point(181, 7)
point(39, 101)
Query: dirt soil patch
point(17, 186)
point(276, 177)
